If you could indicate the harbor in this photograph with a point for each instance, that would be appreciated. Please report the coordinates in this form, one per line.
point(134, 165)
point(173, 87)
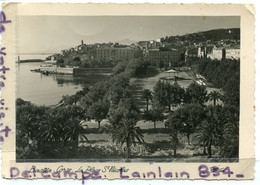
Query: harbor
point(42, 89)
point(51, 67)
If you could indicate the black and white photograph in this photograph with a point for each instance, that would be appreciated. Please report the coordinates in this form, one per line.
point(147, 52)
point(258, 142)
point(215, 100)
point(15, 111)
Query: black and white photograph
point(127, 88)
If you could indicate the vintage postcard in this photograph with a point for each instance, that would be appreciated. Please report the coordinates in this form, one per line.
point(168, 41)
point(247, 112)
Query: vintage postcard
point(127, 91)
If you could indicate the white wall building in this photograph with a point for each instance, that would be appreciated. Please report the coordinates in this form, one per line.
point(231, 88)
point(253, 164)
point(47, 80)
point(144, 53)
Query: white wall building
point(226, 53)
point(232, 53)
point(217, 53)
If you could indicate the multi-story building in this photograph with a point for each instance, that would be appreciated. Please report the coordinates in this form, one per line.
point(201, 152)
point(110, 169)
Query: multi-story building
point(167, 56)
point(232, 53)
point(195, 52)
point(225, 53)
point(192, 53)
point(111, 53)
point(217, 53)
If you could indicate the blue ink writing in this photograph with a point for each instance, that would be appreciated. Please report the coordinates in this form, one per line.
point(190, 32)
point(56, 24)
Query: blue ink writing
point(3, 70)
point(3, 21)
point(154, 174)
point(6, 131)
point(216, 171)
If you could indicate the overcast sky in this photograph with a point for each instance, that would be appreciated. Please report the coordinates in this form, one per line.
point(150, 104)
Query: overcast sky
point(53, 33)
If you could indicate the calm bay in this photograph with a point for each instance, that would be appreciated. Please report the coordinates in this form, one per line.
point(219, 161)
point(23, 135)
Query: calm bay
point(48, 90)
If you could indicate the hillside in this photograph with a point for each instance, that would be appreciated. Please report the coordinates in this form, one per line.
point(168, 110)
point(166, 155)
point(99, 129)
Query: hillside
point(213, 35)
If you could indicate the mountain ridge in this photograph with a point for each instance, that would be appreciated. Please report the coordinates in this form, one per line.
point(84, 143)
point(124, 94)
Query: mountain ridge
point(214, 35)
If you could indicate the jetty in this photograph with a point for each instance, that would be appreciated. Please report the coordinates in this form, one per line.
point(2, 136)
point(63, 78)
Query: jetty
point(54, 69)
point(50, 67)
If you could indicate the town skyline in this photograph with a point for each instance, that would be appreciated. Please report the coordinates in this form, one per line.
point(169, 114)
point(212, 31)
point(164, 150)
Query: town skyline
point(101, 29)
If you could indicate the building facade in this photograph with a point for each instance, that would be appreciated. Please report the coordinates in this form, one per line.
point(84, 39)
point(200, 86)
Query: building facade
point(111, 53)
point(168, 56)
point(217, 53)
point(232, 53)
point(225, 53)
point(192, 53)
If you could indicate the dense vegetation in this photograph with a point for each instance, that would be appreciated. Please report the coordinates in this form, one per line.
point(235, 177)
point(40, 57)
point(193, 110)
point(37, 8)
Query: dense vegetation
point(55, 132)
point(223, 74)
point(83, 62)
point(42, 126)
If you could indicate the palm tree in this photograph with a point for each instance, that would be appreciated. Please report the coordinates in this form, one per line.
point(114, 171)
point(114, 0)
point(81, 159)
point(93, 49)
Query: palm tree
point(127, 132)
point(76, 132)
point(50, 128)
point(27, 121)
point(25, 126)
point(214, 96)
point(230, 148)
point(206, 135)
point(62, 125)
point(147, 95)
